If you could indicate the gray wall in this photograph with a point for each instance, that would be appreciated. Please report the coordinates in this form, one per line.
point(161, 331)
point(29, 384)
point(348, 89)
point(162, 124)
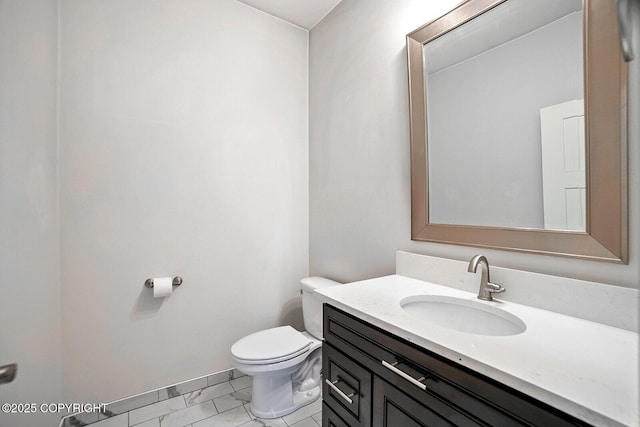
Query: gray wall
point(183, 151)
point(182, 131)
point(29, 255)
point(360, 205)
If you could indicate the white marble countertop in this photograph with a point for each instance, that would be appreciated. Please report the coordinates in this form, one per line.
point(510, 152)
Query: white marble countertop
point(586, 369)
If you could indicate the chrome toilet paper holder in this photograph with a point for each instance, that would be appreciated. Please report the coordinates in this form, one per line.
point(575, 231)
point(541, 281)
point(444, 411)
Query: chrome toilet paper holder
point(177, 281)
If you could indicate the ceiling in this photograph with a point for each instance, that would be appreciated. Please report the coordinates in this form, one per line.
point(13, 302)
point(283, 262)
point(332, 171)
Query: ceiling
point(303, 13)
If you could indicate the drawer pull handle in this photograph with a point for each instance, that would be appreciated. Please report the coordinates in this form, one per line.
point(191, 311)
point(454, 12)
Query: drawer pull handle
point(392, 367)
point(347, 398)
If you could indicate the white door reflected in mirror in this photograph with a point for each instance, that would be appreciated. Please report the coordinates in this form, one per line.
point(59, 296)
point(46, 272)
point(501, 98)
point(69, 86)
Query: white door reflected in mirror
point(563, 166)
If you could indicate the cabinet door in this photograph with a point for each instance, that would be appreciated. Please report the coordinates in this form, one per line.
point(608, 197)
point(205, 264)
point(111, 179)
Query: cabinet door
point(392, 407)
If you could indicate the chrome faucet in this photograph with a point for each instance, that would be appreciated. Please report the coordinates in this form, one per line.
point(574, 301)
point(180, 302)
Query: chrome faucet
point(487, 289)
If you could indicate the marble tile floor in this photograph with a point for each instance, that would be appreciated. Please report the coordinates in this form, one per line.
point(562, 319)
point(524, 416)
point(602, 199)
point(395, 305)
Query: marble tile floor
point(221, 405)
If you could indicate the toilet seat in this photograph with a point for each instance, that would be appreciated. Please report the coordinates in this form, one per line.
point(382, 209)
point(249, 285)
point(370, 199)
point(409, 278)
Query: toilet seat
point(270, 346)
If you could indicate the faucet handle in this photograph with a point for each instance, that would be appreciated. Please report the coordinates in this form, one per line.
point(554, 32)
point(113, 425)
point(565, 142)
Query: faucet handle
point(494, 288)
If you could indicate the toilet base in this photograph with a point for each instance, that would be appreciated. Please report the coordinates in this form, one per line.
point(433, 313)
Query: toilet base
point(281, 400)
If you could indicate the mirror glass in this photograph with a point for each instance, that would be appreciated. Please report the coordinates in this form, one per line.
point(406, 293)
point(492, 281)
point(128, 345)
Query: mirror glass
point(505, 118)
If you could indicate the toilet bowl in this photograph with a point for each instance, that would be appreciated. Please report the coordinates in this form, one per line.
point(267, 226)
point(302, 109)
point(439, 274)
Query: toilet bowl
point(285, 364)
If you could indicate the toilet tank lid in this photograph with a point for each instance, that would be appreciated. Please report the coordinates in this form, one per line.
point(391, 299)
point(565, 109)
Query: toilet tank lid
point(313, 283)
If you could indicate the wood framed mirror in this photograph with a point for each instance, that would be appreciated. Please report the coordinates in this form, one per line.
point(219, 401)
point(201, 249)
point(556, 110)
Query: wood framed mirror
point(439, 204)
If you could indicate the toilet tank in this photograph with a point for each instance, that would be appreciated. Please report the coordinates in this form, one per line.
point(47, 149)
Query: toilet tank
point(312, 305)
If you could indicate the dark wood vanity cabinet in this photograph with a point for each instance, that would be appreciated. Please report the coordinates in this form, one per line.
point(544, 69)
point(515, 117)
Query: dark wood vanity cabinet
point(374, 378)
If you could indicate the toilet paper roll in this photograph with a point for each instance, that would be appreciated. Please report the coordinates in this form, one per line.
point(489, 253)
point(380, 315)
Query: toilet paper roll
point(162, 286)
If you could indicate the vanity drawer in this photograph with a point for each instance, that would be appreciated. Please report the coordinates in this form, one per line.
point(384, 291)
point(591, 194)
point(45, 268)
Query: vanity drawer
point(346, 387)
point(330, 418)
point(425, 375)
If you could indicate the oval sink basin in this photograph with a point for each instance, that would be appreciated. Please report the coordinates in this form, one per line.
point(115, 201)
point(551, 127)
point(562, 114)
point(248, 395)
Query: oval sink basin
point(463, 315)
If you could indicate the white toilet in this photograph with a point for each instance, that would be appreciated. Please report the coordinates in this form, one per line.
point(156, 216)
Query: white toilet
point(284, 363)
